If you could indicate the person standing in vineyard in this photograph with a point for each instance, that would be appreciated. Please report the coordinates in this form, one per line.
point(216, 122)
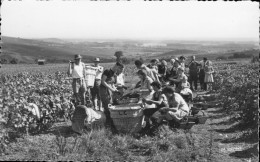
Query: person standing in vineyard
point(203, 86)
point(95, 96)
point(208, 80)
point(107, 88)
point(77, 71)
point(193, 73)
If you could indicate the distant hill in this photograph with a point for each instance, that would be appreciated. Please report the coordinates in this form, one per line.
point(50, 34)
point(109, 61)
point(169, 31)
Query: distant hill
point(53, 50)
point(177, 52)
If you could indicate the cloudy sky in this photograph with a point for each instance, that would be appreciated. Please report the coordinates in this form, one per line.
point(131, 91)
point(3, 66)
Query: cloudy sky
point(134, 20)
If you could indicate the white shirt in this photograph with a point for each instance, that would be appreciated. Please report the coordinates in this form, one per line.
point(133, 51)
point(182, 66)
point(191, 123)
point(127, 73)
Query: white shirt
point(77, 70)
point(99, 71)
point(202, 64)
point(120, 79)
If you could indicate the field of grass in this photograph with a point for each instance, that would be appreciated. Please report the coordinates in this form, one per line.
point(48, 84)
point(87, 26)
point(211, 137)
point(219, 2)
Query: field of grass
point(221, 138)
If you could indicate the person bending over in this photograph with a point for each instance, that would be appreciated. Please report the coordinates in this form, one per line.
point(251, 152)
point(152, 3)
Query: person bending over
point(176, 110)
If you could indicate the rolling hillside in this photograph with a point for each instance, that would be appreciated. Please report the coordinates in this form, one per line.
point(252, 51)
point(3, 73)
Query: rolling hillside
point(53, 50)
point(58, 50)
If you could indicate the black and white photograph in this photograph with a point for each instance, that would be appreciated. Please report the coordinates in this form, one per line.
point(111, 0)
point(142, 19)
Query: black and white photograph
point(129, 80)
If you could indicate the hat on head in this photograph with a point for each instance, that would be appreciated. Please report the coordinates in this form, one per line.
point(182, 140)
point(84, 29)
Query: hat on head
point(77, 57)
point(97, 59)
point(182, 57)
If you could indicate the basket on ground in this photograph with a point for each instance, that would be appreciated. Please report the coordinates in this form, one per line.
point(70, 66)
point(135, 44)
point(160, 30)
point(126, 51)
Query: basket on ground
point(202, 118)
point(90, 76)
point(127, 118)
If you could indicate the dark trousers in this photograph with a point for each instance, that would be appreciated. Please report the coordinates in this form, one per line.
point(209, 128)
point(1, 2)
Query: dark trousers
point(193, 78)
point(106, 98)
point(95, 95)
point(203, 85)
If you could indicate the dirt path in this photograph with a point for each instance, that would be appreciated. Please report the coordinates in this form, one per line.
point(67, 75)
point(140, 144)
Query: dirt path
point(227, 144)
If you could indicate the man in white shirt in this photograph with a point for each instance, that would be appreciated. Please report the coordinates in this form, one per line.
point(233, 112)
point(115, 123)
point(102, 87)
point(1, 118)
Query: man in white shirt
point(77, 71)
point(95, 95)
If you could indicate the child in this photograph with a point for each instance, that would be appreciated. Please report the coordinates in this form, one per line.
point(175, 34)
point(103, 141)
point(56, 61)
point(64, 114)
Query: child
point(208, 80)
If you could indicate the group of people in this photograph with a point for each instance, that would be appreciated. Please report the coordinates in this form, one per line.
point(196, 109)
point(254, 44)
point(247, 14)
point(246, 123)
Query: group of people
point(165, 86)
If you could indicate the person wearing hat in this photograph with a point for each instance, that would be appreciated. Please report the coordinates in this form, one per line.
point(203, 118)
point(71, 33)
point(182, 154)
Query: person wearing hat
point(176, 109)
point(95, 96)
point(77, 72)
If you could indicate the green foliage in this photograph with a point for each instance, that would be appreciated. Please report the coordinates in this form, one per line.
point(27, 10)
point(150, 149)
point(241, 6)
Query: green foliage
point(238, 88)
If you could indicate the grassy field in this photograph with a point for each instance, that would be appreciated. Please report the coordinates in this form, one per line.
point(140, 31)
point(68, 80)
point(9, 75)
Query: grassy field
point(220, 139)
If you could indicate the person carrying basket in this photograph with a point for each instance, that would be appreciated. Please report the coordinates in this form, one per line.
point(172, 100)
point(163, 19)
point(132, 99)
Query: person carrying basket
point(95, 96)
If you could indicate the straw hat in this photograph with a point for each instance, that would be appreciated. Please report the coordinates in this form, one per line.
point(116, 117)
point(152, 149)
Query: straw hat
point(76, 57)
point(97, 59)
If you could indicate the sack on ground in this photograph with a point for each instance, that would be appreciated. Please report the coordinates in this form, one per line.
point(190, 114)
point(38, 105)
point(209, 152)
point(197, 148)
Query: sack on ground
point(84, 118)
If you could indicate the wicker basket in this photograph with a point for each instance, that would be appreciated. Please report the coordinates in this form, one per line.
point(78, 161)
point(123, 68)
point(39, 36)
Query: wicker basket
point(202, 119)
point(127, 118)
point(90, 76)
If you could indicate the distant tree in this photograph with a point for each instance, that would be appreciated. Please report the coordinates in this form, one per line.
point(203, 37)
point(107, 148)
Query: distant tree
point(14, 61)
point(118, 55)
point(3, 61)
point(255, 59)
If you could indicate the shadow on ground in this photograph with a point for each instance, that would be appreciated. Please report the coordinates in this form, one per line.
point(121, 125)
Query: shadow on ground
point(248, 153)
point(245, 138)
point(61, 129)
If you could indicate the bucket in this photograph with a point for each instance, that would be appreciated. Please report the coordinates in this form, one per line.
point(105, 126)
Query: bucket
point(127, 118)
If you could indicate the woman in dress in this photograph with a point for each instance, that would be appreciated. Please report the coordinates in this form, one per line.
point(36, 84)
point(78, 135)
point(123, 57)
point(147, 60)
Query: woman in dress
point(209, 70)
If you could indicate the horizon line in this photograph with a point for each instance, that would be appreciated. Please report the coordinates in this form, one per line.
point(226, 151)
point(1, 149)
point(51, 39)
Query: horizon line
point(240, 39)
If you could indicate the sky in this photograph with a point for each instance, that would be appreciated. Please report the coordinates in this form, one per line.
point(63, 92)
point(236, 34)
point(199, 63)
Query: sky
point(174, 20)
